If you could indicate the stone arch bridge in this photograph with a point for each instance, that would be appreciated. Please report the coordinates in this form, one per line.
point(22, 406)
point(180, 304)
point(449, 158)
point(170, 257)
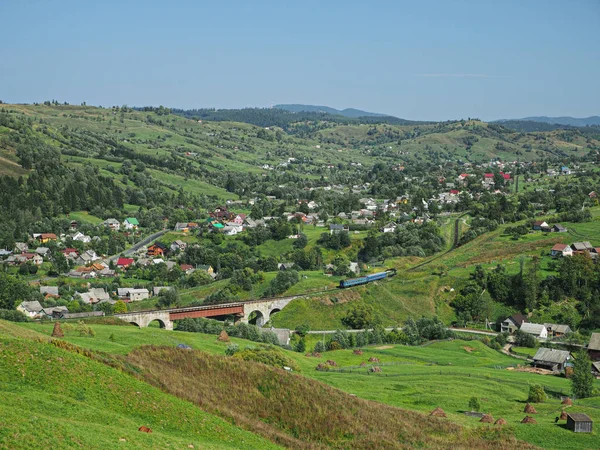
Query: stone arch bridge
point(261, 309)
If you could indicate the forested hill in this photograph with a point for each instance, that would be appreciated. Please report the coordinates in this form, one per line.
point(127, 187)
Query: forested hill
point(566, 120)
point(528, 126)
point(348, 112)
point(270, 117)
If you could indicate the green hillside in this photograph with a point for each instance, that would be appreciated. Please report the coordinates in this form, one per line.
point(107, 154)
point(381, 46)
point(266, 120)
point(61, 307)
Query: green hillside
point(420, 378)
point(54, 398)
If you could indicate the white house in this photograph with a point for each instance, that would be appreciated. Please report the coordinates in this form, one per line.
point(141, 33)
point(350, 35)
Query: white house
point(30, 309)
point(131, 223)
point(535, 329)
point(512, 323)
point(389, 228)
point(79, 236)
point(136, 295)
point(113, 224)
point(561, 250)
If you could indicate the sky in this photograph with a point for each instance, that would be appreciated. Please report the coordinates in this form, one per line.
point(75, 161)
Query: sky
point(425, 60)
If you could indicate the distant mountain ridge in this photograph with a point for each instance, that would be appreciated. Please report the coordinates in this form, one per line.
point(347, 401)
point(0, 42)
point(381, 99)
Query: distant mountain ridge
point(564, 120)
point(348, 112)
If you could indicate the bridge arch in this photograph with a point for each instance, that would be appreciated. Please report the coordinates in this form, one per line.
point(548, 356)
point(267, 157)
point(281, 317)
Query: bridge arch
point(257, 318)
point(135, 324)
point(161, 323)
point(273, 312)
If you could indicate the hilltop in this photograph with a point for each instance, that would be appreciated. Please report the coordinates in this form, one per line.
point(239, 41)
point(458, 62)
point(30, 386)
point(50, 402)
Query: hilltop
point(347, 112)
point(563, 120)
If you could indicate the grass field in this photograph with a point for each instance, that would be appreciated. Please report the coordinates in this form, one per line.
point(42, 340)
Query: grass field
point(444, 374)
point(53, 398)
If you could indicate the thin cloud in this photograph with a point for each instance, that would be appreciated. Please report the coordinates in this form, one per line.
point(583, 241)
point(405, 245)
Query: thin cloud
point(454, 75)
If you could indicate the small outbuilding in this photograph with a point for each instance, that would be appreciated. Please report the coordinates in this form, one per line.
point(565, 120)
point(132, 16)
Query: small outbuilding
point(579, 423)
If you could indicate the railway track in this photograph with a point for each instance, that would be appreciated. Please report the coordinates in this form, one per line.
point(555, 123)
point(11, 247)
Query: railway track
point(455, 240)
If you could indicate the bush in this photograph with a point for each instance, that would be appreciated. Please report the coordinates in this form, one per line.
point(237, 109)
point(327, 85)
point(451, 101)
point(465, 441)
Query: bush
point(120, 307)
point(523, 339)
point(302, 330)
point(319, 347)
point(282, 282)
point(359, 317)
point(536, 394)
point(301, 346)
point(232, 349)
point(243, 330)
point(474, 404)
point(12, 315)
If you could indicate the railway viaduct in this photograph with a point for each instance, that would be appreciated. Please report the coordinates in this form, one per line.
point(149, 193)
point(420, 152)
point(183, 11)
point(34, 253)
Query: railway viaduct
point(261, 309)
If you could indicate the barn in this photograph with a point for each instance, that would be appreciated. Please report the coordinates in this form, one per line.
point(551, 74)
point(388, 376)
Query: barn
point(594, 347)
point(551, 359)
point(579, 423)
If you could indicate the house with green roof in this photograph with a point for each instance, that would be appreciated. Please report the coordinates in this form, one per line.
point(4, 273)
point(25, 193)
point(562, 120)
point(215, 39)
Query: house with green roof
point(131, 223)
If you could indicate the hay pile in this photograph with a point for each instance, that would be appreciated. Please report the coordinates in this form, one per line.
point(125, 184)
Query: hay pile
point(500, 421)
point(223, 337)
point(528, 419)
point(487, 418)
point(563, 416)
point(57, 331)
point(567, 402)
point(529, 409)
point(438, 412)
point(331, 363)
point(373, 359)
point(375, 369)
point(358, 351)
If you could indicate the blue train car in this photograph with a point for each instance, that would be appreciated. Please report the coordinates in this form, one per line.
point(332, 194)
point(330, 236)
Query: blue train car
point(377, 276)
point(364, 280)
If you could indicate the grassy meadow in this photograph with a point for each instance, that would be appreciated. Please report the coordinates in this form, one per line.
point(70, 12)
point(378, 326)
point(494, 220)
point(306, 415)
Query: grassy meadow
point(443, 374)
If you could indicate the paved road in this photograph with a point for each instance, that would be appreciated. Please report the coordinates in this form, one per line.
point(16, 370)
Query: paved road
point(139, 245)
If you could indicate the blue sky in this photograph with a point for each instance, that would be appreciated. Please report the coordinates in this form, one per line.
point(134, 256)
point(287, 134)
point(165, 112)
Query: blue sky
point(433, 60)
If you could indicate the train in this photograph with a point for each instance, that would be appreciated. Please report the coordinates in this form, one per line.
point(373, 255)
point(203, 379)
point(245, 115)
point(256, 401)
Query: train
point(367, 279)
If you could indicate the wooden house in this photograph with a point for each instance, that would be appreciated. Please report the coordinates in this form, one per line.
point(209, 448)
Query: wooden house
point(157, 249)
point(551, 359)
point(579, 423)
point(594, 347)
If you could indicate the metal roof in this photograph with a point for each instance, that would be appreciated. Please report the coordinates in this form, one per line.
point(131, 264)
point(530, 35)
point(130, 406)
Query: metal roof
point(579, 417)
point(551, 355)
point(594, 342)
point(532, 328)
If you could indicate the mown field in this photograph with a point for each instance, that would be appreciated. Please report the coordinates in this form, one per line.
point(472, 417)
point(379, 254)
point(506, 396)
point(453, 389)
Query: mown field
point(444, 374)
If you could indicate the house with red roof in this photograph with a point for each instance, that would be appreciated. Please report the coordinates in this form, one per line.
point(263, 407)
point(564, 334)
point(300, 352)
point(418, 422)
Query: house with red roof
point(239, 219)
point(124, 263)
point(561, 250)
point(70, 253)
point(488, 179)
point(187, 268)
